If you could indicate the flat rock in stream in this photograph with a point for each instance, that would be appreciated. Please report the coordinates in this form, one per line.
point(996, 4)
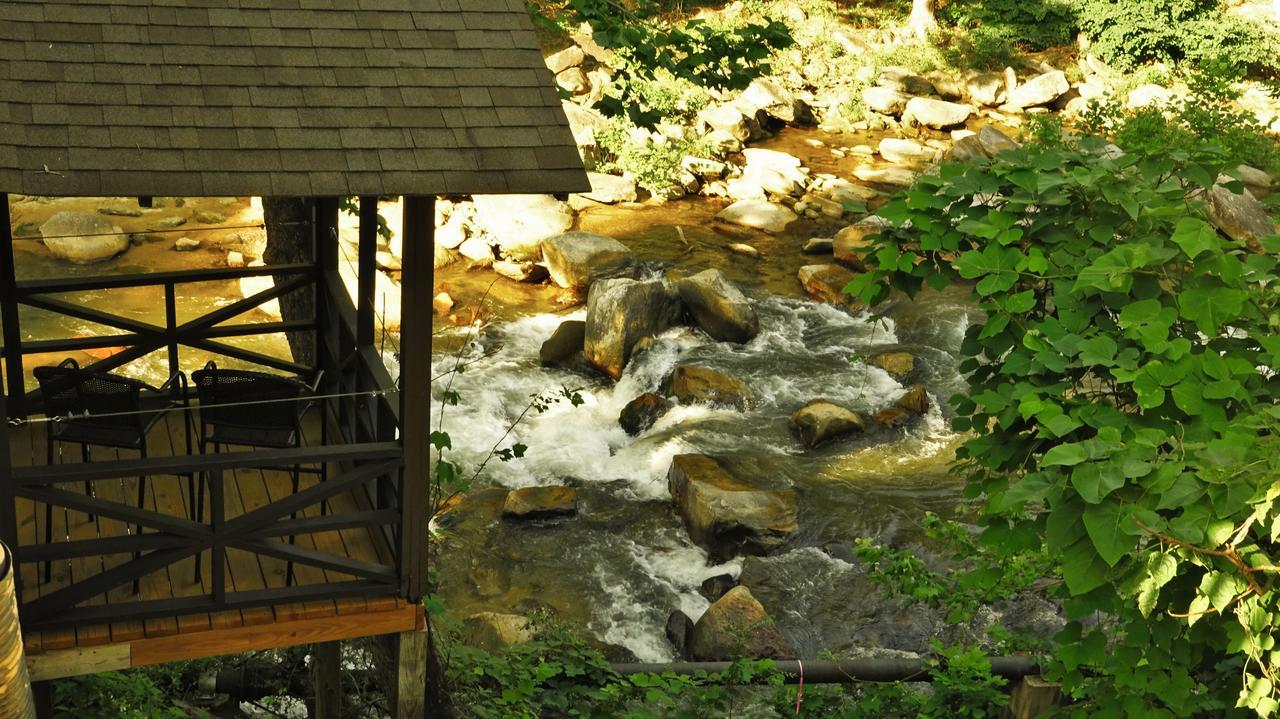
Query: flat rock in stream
point(822, 420)
point(540, 503)
point(642, 412)
point(758, 214)
point(897, 364)
point(826, 283)
point(690, 383)
point(726, 516)
point(620, 313)
point(82, 238)
point(737, 626)
point(719, 307)
point(852, 245)
point(576, 259)
point(938, 114)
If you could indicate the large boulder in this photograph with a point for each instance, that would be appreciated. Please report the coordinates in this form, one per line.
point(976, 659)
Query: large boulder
point(725, 515)
point(967, 149)
point(1239, 216)
point(493, 632)
point(576, 259)
point(586, 125)
point(540, 502)
point(1040, 90)
point(906, 152)
point(738, 626)
point(643, 412)
point(726, 119)
point(825, 283)
point(897, 364)
point(904, 80)
point(822, 420)
point(610, 189)
point(759, 214)
point(851, 245)
point(564, 344)
point(775, 100)
point(938, 114)
point(885, 100)
point(620, 313)
point(719, 308)
point(690, 383)
point(988, 88)
point(82, 238)
point(519, 223)
point(572, 56)
point(995, 142)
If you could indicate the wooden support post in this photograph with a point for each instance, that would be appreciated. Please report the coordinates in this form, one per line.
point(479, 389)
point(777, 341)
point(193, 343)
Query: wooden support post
point(326, 677)
point(415, 389)
point(15, 381)
point(43, 692)
point(367, 271)
point(1032, 697)
point(411, 675)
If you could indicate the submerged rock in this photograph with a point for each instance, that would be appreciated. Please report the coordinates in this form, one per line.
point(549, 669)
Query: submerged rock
point(690, 383)
point(82, 238)
point(719, 307)
point(642, 412)
point(726, 516)
point(563, 344)
point(852, 244)
point(822, 420)
point(759, 214)
point(540, 502)
point(897, 364)
point(576, 259)
point(620, 313)
point(737, 626)
point(826, 283)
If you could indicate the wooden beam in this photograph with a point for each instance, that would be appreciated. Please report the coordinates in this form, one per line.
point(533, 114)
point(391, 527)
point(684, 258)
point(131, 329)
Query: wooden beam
point(218, 642)
point(411, 676)
point(15, 378)
point(366, 270)
point(415, 389)
point(1032, 697)
point(326, 677)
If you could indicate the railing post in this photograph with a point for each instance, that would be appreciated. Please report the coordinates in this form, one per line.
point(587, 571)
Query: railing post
point(218, 550)
point(15, 378)
point(366, 271)
point(171, 324)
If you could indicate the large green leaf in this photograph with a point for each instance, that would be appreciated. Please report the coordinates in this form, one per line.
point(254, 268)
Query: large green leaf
point(1104, 523)
point(1195, 236)
point(1211, 308)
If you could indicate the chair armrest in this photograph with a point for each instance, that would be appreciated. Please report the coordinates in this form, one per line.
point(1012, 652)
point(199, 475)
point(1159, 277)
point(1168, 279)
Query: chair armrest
point(178, 381)
point(315, 384)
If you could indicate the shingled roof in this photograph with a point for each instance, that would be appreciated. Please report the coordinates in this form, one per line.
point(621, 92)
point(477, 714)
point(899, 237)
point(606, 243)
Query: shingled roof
point(278, 97)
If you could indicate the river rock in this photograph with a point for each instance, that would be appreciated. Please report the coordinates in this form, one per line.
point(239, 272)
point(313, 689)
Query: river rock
point(610, 189)
point(577, 259)
point(525, 271)
point(209, 217)
point(938, 114)
point(564, 344)
point(740, 248)
point(905, 81)
point(994, 141)
point(540, 502)
point(967, 149)
point(825, 283)
point(726, 119)
point(745, 188)
point(818, 246)
point(82, 238)
point(1040, 90)
point(760, 214)
point(643, 412)
point(715, 587)
point(620, 313)
point(726, 516)
point(719, 308)
point(906, 152)
point(703, 167)
point(571, 56)
point(915, 400)
point(1239, 216)
point(519, 223)
point(690, 383)
point(1259, 182)
point(679, 631)
point(885, 100)
point(573, 81)
point(822, 420)
point(852, 244)
point(897, 364)
point(442, 304)
point(492, 631)
point(120, 211)
point(737, 626)
point(1148, 95)
point(986, 88)
point(585, 124)
point(186, 244)
point(891, 176)
point(775, 100)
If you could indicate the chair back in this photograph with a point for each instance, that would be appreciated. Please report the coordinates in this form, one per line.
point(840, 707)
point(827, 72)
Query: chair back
point(248, 399)
point(112, 401)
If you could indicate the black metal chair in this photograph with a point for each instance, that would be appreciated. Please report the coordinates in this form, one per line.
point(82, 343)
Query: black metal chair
point(107, 410)
point(258, 410)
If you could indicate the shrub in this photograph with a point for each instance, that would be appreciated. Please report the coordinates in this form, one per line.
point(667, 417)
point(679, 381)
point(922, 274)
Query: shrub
point(1128, 33)
point(1124, 411)
point(1032, 24)
point(655, 165)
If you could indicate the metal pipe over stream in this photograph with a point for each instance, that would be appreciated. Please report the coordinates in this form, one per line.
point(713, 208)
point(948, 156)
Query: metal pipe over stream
point(840, 671)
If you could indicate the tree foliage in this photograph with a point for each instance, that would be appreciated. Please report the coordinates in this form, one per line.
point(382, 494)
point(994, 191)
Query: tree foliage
point(1122, 406)
point(1130, 32)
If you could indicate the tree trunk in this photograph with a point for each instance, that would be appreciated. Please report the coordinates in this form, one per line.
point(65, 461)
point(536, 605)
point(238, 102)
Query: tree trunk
point(290, 239)
point(922, 21)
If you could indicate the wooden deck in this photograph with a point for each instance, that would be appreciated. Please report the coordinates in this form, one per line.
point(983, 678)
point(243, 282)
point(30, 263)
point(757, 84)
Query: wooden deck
point(96, 647)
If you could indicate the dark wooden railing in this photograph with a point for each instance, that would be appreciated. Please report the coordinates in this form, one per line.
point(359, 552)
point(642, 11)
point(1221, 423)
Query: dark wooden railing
point(167, 538)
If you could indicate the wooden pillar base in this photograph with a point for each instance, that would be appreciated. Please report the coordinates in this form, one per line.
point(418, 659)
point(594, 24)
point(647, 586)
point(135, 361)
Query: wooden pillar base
point(411, 675)
point(42, 692)
point(326, 677)
point(1032, 697)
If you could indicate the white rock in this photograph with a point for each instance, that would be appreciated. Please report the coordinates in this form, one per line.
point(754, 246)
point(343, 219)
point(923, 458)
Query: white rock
point(571, 56)
point(938, 114)
point(574, 81)
point(476, 250)
point(906, 152)
point(519, 222)
point(774, 99)
point(884, 100)
point(1148, 95)
point(708, 169)
point(1040, 90)
point(186, 244)
point(726, 119)
point(610, 189)
point(893, 176)
point(83, 238)
point(758, 214)
point(235, 259)
point(450, 235)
